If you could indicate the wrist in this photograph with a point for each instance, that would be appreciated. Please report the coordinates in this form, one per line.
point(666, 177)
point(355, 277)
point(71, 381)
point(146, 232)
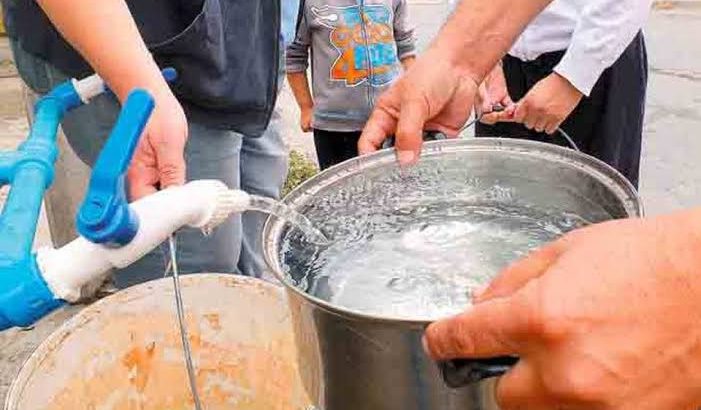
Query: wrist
point(567, 84)
point(448, 54)
point(146, 76)
point(451, 64)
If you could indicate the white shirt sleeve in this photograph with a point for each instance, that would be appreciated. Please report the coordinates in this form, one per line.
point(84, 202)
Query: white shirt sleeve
point(604, 30)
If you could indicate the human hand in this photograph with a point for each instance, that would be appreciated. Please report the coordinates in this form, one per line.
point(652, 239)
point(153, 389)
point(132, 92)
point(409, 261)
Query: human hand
point(159, 160)
point(433, 94)
point(305, 118)
point(494, 92)
point(608, 317)
point(548, 104)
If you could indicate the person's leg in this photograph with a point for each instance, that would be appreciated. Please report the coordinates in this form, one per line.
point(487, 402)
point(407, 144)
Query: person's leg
point(350, 145)
point(210, 154)
point(334, 147)
point(617, 134)
point(327, 148)
point(263, 168)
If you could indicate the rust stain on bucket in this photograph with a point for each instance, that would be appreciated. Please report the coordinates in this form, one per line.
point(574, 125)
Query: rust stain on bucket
point(213, 319)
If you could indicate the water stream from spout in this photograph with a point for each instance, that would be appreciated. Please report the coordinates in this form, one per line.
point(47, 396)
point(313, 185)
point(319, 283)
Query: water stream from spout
point(257, 203)
point(294, 218)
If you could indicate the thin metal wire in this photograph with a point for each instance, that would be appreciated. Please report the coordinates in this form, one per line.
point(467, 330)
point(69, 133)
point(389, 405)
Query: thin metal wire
point(187, 351)
point(478, 117)
point(569, 139)
point(496, 108)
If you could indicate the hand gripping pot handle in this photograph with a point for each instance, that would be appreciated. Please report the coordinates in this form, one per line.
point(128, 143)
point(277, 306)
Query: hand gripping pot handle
point(463, 372)
point(437, 136)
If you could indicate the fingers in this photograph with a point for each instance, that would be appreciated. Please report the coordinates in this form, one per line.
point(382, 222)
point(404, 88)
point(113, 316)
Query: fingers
point(521, 112)
point(484, 103)
point(412, 117)
point(378, 128)
point(491, 118)
point(521, 386)
point(158, 162)
point(552, 127)
point(535, 118)
point(142, 175)
point(509, 112)
point(507, 101)
point(171, 163)
point(539, 123)
point(521, 272)
point(143, 180)
point(489, 329)
point(504, 116)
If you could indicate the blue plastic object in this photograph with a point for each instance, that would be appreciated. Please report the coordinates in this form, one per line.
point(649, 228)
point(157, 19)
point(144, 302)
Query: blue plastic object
point(24, 296)
point(105, 216)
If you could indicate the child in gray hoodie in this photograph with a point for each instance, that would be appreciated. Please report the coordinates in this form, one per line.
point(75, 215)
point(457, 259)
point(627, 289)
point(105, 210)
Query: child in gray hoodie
point(358, 49)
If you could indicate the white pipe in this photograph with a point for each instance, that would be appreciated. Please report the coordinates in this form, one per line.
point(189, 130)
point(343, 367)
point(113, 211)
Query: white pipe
point(200, 204)
point(89, 87)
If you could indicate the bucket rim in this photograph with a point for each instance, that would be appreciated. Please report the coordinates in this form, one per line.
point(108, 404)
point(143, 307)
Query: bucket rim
point(274, 226)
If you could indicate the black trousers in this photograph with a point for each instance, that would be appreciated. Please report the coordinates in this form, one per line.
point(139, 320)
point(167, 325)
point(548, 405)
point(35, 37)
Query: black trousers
point(607, 125)
point(334, 147)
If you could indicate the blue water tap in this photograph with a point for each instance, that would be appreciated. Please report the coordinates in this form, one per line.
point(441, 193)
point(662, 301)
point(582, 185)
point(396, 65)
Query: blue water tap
point(24, 295)
point(105, 216)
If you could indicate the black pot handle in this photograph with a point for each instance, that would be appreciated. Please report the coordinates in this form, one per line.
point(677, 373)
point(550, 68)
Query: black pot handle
point(462, 372)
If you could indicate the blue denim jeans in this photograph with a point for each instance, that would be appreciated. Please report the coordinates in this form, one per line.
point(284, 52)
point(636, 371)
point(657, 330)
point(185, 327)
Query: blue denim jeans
point(256, 165)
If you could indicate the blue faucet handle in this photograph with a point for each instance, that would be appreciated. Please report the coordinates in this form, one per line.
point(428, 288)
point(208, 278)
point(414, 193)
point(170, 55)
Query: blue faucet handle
point(104, 216)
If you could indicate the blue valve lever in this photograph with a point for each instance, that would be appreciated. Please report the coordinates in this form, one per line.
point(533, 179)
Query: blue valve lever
point(104, 217)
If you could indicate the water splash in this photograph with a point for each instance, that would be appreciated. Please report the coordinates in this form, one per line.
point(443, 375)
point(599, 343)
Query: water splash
point(282, 211)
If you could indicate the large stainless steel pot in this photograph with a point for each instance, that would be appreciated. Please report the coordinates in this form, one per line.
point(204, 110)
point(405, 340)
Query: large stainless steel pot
point(355, 361)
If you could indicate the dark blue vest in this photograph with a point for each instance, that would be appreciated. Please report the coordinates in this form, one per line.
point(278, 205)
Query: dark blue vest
point(226, 53)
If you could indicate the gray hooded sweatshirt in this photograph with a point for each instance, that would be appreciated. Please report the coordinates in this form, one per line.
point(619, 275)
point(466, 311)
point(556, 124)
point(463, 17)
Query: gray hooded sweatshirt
point(356, 48)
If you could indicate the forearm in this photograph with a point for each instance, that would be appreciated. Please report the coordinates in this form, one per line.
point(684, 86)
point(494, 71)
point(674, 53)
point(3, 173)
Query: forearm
point(480, 32)
point(107, 37)
point(300, 88)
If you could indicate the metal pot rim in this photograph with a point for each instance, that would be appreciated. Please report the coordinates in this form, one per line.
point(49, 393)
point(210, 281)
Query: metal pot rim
point(274, 227)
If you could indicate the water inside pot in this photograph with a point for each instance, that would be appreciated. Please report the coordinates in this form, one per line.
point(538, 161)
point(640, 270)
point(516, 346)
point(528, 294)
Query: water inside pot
point(415, 244)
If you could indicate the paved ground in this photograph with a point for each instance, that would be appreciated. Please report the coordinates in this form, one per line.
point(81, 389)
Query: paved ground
point(671, 174)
